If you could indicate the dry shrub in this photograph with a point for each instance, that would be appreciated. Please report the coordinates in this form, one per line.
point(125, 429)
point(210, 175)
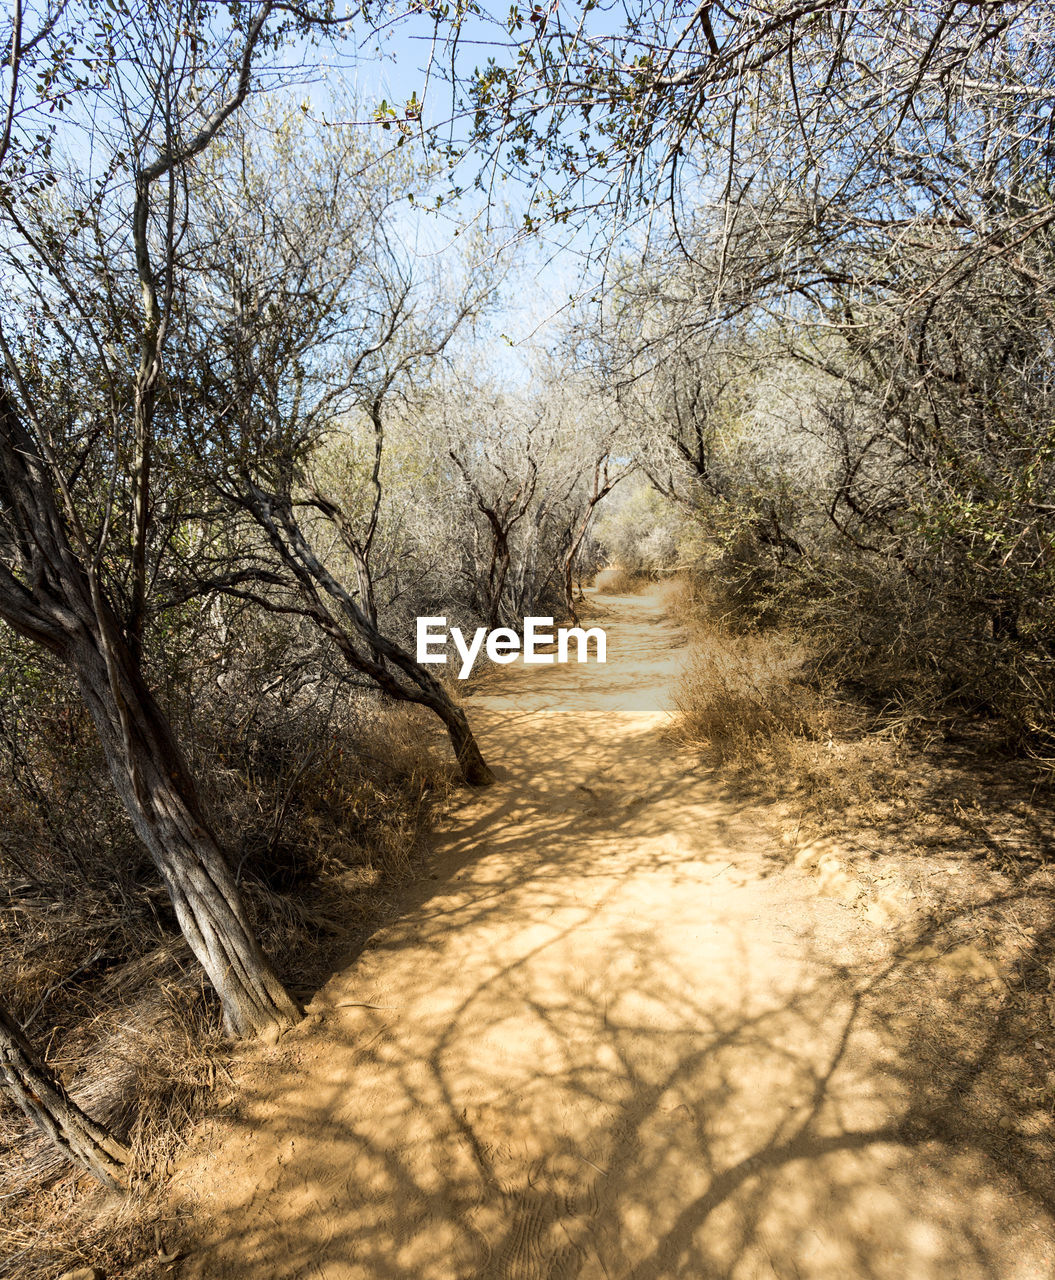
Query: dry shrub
point(623, 582)
point(381, 803)
point(939, 845)
point(757, 705)
point(744, 697)
point(146, 1063)
point(924, 654)
point(690, 601)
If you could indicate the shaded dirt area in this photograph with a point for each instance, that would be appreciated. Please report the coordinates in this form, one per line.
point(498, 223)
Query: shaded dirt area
point(620, 1032)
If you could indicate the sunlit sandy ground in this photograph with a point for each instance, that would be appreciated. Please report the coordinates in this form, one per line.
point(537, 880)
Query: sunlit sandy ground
point(614, 1035)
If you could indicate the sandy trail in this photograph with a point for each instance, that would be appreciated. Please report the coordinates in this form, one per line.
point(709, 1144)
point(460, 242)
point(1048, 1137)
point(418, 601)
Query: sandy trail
point(614, 1036)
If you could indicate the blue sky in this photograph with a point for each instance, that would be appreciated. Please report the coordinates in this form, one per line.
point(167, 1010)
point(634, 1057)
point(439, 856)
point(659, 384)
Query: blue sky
point(391, 66)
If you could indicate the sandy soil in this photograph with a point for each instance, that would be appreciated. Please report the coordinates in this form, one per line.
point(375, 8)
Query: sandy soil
point(618, 1033)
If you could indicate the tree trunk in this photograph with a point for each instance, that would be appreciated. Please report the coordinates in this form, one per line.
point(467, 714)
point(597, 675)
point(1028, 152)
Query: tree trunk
point(57, 601)
point(569, 588)
point(42, 1096)
point(569, 566)
point(274, 513)
point(496, 582)
point(474, 768)
point(148, 771)
point(365, 580)
point(602, 487)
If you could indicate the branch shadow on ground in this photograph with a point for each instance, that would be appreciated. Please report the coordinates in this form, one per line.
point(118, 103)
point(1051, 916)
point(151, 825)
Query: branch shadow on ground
point(529, 1075)
point(646, 1134)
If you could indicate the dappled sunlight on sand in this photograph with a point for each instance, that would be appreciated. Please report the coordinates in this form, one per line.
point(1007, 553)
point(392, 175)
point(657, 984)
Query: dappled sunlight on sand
point(612, 1036)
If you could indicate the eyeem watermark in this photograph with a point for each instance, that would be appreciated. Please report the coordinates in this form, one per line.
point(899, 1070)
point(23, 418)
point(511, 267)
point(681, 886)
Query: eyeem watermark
point(505, 645)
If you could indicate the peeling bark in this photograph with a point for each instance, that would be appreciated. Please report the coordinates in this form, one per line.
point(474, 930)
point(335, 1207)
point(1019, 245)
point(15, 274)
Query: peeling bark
point(43, 1098)
point(54, 598)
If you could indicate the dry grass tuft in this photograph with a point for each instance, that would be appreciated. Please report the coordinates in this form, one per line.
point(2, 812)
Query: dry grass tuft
point(744, 697)
point(623, 582)
point(766, 711)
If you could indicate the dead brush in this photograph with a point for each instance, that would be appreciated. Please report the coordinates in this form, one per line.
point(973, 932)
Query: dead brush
point(149, 1063)
point(744, 698)
point(757, 704)
point(623, 582)
point(402, 741)
point(142, 1064)
point(401, 745)
point(690, 601)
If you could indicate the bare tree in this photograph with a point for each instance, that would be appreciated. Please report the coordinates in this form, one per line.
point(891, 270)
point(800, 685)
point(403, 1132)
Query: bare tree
point(78, 437)
point(318, 312)
point(606, 474)
point(502, 498)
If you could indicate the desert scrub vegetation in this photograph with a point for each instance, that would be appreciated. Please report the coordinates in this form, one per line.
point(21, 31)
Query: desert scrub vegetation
point(887, 799)
point(915, 571)
point(925, 829)
point(748, 696)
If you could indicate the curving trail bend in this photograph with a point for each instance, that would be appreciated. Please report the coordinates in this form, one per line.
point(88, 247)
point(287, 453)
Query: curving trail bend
point(613, 1037)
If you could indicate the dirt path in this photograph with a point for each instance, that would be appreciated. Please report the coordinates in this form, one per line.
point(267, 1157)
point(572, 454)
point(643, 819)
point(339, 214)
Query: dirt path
point(614, 1036)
